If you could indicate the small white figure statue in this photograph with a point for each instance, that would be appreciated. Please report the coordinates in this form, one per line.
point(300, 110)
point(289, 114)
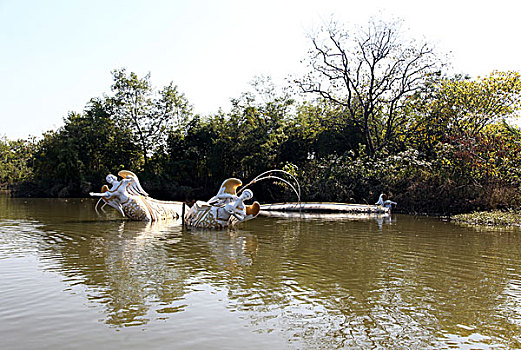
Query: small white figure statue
point(128, 197)
point(224, 209)
point(383, 201)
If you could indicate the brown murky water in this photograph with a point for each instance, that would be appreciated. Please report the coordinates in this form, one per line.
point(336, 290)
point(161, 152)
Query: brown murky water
point(71, 280)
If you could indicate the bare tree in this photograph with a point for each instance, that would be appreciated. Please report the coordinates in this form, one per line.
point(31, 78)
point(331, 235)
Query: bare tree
point(369, 75)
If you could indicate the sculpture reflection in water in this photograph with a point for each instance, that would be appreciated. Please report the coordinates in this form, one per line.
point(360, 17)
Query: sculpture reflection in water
point(128, 198)
point(143, 272)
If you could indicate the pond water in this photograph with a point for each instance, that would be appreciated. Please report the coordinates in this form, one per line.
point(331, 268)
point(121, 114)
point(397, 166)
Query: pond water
point(72, 280)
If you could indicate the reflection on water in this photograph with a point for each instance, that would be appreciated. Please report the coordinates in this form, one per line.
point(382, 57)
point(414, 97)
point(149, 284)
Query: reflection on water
point(275, 282)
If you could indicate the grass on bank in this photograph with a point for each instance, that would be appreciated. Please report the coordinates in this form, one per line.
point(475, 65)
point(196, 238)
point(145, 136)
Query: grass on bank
point(490, 218)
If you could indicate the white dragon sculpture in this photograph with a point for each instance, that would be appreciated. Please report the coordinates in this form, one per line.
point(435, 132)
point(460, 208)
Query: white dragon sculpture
point(225, 209)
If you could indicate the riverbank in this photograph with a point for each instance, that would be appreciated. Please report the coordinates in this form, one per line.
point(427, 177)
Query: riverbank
point(490, 218)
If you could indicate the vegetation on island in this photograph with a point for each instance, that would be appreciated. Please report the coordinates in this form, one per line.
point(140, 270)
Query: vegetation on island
point(376, 113)
point(494, 218)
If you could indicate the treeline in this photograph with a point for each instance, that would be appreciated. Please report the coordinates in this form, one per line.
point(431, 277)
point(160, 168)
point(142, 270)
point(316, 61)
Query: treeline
point(381, 118)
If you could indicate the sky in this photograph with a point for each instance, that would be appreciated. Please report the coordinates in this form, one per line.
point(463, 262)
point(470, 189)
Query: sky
point(57, 55)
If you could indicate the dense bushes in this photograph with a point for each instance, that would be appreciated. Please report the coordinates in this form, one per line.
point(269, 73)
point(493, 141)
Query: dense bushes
point(16, 165)
point(460, 176)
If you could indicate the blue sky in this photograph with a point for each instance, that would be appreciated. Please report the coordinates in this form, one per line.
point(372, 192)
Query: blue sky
point(56, 55)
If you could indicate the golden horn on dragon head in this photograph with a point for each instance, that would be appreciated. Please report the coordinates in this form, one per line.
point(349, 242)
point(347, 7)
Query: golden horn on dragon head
point(230, 186)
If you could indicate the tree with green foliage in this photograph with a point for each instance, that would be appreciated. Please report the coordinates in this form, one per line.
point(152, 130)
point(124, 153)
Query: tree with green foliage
point(15, 161)
point(242, 143)
point(77, 156)
point(257, 131)
point(148, 114)
point(318, 130)
point(460, 108)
